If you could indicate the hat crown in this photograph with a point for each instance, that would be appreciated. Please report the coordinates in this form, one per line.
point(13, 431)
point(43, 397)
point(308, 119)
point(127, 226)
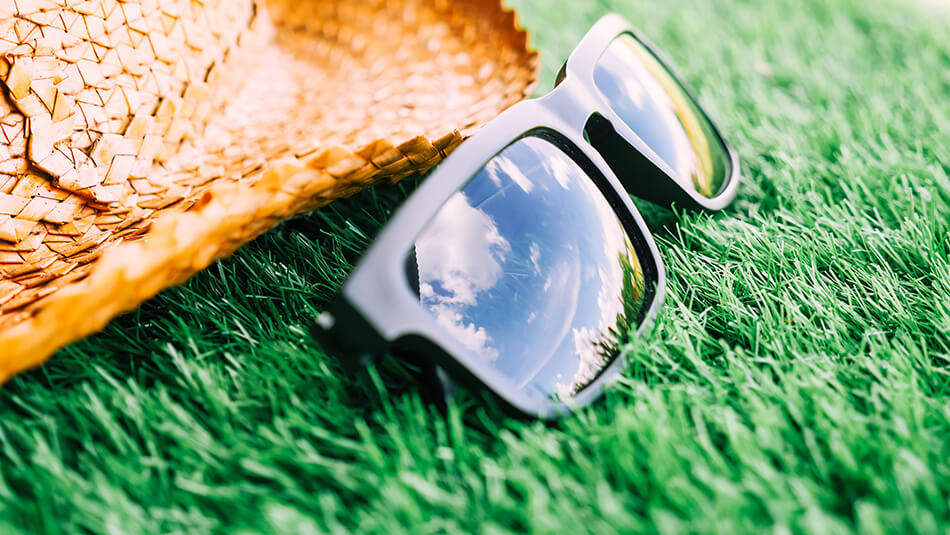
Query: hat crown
point(115, 114)
point(102, 89)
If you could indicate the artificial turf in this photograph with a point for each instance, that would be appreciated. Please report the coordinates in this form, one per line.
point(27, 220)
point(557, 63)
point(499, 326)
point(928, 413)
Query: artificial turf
point(797, 380)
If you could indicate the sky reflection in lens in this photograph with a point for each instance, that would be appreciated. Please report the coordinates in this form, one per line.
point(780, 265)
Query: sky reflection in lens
point(529, 268)
point(655, 106)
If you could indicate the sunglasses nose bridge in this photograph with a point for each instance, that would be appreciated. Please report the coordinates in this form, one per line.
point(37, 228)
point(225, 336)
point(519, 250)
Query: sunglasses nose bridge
point(572, 104)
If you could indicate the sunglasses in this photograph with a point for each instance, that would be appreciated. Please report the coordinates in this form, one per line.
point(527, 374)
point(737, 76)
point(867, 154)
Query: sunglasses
point(521, 265)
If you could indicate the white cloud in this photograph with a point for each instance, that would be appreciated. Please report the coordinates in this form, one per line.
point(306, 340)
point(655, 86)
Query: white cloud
point(494, 174)
point(561, 168)
point(460, 255)
point(503, 166)
point(535, 251)
point(591, 362)
point(588, 367)
point(475, 339)
point(462, 251)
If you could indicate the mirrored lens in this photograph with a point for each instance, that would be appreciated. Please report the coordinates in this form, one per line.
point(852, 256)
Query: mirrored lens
point(529, 268)
point(657, 108)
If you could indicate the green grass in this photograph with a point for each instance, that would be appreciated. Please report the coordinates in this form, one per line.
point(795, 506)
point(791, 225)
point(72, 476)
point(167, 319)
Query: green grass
point(798, 380)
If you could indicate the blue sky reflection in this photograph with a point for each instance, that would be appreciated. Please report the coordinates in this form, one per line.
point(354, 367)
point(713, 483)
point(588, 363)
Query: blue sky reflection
point(526, 266)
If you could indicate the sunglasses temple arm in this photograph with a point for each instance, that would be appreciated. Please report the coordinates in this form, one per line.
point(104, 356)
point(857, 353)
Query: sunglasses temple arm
point(343, 332)
point(437, 387)
point(636, 172)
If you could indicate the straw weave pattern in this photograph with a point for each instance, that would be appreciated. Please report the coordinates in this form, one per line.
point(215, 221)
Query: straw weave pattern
point(140, 140)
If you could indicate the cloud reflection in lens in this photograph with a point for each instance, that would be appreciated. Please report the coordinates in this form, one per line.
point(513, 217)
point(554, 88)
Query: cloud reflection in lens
point(530, 270)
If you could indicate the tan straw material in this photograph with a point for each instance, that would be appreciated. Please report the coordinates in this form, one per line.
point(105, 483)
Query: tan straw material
point(140, 140)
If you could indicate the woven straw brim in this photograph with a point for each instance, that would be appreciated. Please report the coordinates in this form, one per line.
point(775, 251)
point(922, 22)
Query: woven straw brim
point(140, 141)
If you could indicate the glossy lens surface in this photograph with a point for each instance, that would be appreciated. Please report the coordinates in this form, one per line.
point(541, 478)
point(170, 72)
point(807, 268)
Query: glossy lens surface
point(657, 108)
point(531, 271)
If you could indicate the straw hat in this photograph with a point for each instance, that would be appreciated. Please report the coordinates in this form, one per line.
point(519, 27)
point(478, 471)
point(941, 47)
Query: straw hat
point(140, 140)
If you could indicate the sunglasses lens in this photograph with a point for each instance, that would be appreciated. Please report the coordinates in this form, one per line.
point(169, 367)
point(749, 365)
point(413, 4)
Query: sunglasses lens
point(530, 269)
point(647, 97)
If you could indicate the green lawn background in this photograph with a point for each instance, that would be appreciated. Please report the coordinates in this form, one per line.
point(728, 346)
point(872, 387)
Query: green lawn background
point(797, 380)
